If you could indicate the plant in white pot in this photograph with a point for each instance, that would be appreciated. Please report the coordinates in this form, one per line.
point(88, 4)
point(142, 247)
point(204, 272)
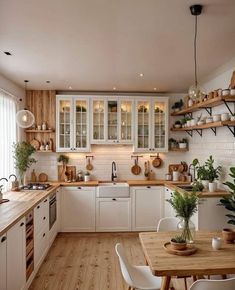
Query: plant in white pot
point(87, 176)
point(183, 143)
point(213, 173)
point(202, 173)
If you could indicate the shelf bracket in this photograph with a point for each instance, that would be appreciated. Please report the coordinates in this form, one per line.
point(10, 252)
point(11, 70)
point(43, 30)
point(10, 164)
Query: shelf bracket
point(232, 129)
point(214, 130)
point(209, 110)
point(226, 104)
point(199, 131)
point(190, 133)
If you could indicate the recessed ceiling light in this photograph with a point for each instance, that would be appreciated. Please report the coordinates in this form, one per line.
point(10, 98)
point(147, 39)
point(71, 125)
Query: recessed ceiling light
point(7, 53)
point(141, 75)
point(70, 88)
point(154, 89)
point(48, 82)
point(114, 88)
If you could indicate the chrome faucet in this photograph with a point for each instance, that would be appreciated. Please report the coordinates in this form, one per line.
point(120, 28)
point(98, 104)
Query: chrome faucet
point(114, 171)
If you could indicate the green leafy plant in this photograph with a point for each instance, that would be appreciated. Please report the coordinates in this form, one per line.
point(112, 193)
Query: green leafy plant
point(178, 122)
point(213, 172)
point(63, 159)
point(184, 140)
point(197, 186)
point(229, 201)
point(178, 239)
point(87, 173)
point(22, 153)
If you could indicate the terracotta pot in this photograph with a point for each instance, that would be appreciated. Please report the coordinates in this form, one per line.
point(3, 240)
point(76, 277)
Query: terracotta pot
point(178, 246)
point(228, 236)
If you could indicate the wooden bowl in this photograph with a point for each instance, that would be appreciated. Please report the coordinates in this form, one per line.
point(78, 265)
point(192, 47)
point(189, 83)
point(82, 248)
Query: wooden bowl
point(228, 236)
point(178, 246)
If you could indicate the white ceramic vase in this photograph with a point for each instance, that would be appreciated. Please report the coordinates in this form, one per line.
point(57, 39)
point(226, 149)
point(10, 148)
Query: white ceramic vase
point(212, 186)
point(86, 177)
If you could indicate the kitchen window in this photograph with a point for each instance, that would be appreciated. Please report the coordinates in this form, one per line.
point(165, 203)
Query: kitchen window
point(8, 133)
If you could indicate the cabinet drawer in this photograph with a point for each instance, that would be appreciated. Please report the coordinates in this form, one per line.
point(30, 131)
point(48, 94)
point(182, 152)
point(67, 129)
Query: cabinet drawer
point(41, 216)
point(41, 244)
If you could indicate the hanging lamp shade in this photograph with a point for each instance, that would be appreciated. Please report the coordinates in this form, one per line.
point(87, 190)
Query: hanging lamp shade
point(195, 91)
point(25, 118)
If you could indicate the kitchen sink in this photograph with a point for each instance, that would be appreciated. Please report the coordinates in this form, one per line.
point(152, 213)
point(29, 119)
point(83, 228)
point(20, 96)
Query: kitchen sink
point(113, 189)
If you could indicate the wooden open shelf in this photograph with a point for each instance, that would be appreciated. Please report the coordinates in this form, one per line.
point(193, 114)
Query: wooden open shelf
point(39, 131)
point(178, 149)
point(207, 104)
point(44, 151)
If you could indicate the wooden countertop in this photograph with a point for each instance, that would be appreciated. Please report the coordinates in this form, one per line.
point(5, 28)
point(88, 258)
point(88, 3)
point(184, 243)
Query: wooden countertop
point(217, 193)
point(153, 182)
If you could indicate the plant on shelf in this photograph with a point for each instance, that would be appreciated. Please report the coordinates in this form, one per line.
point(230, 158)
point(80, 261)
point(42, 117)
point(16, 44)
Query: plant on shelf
point(177, 105)
point(183, 143)
point(202, 172)
point(177, 124)
point(22, 153)
point(173, 143)
point(87, 176)
point(197, 186)
point(229, 201)
point(185, 206)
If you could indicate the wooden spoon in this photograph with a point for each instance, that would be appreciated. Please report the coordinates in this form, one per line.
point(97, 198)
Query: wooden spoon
point(89, 166)
point(136, 169)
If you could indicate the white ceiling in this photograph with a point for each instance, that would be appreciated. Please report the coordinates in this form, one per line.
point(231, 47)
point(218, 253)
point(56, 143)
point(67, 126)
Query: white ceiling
point(101, 44)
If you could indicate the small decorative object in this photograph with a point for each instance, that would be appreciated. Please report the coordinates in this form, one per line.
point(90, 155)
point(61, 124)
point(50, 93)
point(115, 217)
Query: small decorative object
point(87, 176)
point(232, 118)
point(225, 92)
point(178, 124)
point(47, 147)
point(39, 127)
point(172, 143)
point(178, 243)
point(42, 177)
point(213, 173)
point(183, 143)
point(62, 168)
point(1, 195)
point(190, 102)
point(42, 147)
point(51, 144)
point(232, 92)
point(185, 206)
point(216, 243)
point(22, 153)
point(80, 176)
point(225, 117)
point(33, 176)
point(44, 126)
point(15, 183)
point(35, 143)
point(228, 236)
point(177, 106)
point(216, 118)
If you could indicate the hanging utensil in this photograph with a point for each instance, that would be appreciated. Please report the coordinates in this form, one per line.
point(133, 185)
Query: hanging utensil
point(157, 161)
point(89, 166)
point(136, 169)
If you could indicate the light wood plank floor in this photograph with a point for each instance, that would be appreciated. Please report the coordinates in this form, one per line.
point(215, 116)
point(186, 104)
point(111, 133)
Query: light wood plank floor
point(88, 262)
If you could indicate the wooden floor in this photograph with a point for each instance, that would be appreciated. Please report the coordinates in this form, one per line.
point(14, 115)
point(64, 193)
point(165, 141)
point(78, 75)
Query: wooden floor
point(88, 262)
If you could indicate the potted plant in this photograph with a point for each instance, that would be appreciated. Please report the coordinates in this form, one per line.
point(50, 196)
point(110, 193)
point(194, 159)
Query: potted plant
point(185, 206)
point(22, 153)
point(177, 105)
point(178, 243)
point(183, 143)
point(202, 173)
point(172, 143)
point(177, 124)
point(229, 203)
point(87, 176)
point(213, 173)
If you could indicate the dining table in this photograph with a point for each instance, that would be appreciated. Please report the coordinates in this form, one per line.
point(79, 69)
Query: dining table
point(205, 261)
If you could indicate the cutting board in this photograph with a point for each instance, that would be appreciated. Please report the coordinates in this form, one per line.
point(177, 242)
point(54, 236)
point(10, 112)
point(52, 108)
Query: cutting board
point(61, 172)
point(71, 170)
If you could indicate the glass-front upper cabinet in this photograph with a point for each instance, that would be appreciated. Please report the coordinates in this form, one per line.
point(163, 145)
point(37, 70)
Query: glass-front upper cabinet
point(151, 124)
point(112, 120)
point(126, 121)
point(98, 128)
point(72, 123)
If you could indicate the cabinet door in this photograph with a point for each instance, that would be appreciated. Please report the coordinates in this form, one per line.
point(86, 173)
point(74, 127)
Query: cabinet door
point(146, 207)
point(160, 125)
point(41, 245)
point(78, 209)
point(98, 121)
point(126, 122)
point(3, 262)
point(81, 124)
point(113, 214)
point(64, 136)
point(16, 260)
point(168, 209)
point(112, 119)
point(143, 128)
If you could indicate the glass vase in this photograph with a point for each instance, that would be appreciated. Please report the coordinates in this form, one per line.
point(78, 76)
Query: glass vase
point(187, 230)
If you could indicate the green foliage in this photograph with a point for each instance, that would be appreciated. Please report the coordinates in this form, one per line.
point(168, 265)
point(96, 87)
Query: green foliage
point(22, 153)
point(197, 186)
point(184, 204)
point(229, 201)
point(87, 173)
point(63, 159)
point(178, 239)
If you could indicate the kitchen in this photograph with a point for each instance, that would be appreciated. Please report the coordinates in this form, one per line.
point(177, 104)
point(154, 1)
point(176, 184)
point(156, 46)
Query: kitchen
point(91, 157)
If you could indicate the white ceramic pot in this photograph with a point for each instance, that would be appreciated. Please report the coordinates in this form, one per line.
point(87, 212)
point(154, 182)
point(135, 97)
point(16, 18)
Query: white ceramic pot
point(209, 120)
point(232, 118)
point(176, 175)
point(212, 186)
point(193, 122)
point(225, 117)
point(182, 145)
point(225, 92)
point(188, 123)
point(232, 92)
point(216, 243)
point(205, 183)
point(87, 178)
point(190, 102)
point(216, 118)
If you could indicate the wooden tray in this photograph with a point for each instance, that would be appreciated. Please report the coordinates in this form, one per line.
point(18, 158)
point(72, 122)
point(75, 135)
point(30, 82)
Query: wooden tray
point(4, 200)
point(191, 249)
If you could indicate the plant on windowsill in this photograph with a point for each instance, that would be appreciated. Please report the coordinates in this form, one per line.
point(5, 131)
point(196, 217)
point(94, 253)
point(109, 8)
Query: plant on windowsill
point(185, 205)
point(22, 153)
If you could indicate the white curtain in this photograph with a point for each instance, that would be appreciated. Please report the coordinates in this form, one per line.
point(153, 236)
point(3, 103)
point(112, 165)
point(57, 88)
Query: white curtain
point(8, 134)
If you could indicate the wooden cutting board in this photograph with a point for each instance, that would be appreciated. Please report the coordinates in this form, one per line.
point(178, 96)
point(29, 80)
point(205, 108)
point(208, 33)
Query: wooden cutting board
point(61, 172)
point(43, 177)
point(71, 170)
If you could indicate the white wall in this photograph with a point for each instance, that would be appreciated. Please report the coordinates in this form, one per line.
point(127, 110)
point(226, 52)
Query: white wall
point(11, 87)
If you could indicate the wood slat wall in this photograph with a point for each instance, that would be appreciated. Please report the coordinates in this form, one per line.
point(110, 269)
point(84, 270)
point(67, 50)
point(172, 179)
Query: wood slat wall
point(43, 105)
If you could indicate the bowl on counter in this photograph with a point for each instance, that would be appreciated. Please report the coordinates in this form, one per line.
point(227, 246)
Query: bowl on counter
point(216, 118)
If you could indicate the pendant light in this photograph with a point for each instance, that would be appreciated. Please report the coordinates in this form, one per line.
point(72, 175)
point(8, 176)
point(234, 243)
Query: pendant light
point(195, 91)
point(25, 118)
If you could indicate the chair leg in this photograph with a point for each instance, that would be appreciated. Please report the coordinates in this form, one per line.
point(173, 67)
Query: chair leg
point(185, 284)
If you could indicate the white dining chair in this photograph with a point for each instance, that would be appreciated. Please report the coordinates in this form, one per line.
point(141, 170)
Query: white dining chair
point(167, 224)
point(227, 284)
point(137, 277)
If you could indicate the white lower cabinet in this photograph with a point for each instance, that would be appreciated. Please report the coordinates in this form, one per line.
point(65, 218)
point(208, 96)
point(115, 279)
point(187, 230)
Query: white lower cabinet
point(113, 214)
point(146, 207)
point(78, 209)
point(16, 260)
point(168, 209)
point(3, 262)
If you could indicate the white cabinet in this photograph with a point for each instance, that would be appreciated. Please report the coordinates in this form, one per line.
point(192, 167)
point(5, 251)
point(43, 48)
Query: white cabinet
point(78, 209)
point(112, 120)
point(151, 124)
point(168, 209)
point(55, 207)
point(41, 231)
point(3, 262)
point(146, 207)
point(16, 260)
point(72, 120)
point(113, 214)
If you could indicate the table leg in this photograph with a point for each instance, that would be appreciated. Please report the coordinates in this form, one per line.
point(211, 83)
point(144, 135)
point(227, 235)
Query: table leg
point(165, 282)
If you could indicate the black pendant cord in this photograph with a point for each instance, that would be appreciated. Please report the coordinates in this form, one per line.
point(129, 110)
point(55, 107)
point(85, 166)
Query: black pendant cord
point(195, 52)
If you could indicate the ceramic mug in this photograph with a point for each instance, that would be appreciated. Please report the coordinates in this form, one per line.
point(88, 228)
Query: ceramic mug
point(232, 92)
point(225, 92)
point(216, 243)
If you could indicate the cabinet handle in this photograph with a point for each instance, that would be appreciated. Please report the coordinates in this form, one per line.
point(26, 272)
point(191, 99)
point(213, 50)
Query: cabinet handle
point(22, 224)
point(38, 206)
point(43, 235)
point(3, 239)
point(148, 186)
point(114, 199)
point(44, 218)
point(79, 187)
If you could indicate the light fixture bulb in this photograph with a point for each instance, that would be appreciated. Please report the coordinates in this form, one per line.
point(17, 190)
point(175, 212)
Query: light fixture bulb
point(196, 92)
point(25, 118)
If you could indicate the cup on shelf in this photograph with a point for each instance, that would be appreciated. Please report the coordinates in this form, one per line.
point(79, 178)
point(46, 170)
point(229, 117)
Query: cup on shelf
point(216, 118)
point(232, 92)
point(225, 92)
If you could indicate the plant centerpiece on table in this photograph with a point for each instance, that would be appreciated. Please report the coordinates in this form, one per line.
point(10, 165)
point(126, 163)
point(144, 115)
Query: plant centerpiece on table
point(23, 159)
point(229, 203)
point(178, 243)
point(185, 206)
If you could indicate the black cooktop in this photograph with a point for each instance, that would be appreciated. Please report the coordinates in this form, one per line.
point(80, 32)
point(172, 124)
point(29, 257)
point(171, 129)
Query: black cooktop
point(36, 186)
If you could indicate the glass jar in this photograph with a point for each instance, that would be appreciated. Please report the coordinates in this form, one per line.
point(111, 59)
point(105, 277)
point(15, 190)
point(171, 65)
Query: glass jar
point(187, 230)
